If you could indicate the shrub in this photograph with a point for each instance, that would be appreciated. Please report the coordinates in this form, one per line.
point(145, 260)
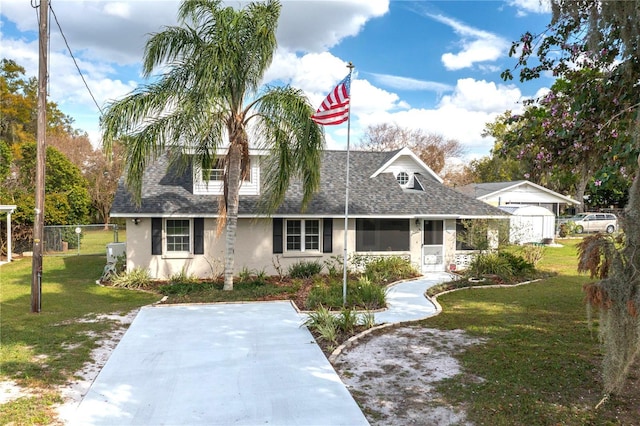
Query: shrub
point(323, 322)
point(347, 320)
point(363, 294)
point(121, 263)
point(252, 277)
point(136, 279)
point(519, 266)
point(490, 264)
point(389, 269)
point(532, 254)
point(324, 294)
point(305, 269)
point(563, 230)
point(183, 278)
point(335, 266)
point(329, 325)
point(260, 278)
point(367, 319)
point(181, 284)
point(245, 275)
point(368, 295)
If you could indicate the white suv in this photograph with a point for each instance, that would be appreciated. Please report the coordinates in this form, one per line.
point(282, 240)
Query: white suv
point(595, 222)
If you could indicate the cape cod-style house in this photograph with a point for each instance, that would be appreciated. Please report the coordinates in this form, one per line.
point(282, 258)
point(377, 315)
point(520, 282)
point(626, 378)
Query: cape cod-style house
point(397, 206)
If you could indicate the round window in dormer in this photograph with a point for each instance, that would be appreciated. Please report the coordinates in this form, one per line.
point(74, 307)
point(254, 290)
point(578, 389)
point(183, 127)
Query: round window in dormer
point(402, 178)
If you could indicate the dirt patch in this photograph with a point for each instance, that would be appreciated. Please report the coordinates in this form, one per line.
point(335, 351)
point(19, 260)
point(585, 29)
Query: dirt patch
point(392, 375)
point(75, 390)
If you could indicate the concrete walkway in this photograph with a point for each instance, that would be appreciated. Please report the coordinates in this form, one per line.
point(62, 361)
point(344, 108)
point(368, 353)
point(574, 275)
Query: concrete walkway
point(230, 364)
point(407, 302)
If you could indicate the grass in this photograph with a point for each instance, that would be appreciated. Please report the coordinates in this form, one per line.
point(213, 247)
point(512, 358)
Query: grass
point(95, 240)
point(540, 364)
point(42, 351)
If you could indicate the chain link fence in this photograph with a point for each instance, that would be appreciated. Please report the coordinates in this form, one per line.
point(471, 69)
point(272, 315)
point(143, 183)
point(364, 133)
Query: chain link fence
point(65, 240)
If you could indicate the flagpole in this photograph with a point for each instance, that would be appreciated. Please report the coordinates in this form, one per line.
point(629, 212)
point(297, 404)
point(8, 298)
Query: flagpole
point(346, 205)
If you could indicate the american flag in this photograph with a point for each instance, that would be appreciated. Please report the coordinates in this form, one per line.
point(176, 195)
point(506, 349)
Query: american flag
point(335, 108)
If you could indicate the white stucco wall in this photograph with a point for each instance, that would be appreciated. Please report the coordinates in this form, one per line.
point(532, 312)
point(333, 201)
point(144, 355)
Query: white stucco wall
point(253, 250)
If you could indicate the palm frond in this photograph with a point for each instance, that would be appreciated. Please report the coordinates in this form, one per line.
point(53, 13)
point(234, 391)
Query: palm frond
point(283, 116)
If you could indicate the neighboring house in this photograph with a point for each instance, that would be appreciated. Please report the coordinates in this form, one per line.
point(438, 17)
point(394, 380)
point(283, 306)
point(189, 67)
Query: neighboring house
point(520, 192)
point(397, 206)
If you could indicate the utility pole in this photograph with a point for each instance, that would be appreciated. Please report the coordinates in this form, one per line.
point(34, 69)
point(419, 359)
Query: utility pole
point(38, 223)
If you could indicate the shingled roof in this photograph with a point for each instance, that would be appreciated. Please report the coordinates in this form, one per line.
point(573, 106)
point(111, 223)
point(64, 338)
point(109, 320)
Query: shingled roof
point(478, 190)
point(485, 190)
point(166, 193)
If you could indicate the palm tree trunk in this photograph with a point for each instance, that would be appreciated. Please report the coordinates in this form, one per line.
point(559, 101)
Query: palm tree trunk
point(233, 176)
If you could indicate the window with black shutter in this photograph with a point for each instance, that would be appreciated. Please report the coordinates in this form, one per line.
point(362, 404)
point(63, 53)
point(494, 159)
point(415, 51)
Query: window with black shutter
point(156, 235)
point(277, 235)
point(198, 235)
point(327, 235)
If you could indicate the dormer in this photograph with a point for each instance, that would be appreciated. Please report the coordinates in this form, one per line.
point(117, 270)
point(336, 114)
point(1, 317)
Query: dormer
point(214, 184)
point(408, 169)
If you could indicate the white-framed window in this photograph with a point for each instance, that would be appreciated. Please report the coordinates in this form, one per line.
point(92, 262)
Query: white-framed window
point(217, 173)
point(402, 178)
point(303, 235)
point(178, 235)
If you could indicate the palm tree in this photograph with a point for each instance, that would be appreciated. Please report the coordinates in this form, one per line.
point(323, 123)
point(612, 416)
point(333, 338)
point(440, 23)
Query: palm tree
point(207, 105)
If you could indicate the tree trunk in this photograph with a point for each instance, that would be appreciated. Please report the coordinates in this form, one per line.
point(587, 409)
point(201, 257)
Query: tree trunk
point(232, 196)
point(581, 188)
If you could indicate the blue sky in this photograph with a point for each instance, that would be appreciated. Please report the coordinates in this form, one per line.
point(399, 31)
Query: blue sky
point(432, 65)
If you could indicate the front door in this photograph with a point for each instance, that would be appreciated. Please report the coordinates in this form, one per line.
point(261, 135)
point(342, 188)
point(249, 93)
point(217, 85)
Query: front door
point(433, 246)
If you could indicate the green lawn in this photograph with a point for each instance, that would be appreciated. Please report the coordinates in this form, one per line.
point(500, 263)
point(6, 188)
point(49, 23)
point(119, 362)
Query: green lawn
point(540, 363)
point(41, 351)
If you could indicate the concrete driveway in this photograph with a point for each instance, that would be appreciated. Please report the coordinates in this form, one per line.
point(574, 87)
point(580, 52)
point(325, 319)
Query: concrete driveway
point(231, 364)
point(221, 364)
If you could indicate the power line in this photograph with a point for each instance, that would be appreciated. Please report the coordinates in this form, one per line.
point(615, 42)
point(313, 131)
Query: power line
point(74, 59)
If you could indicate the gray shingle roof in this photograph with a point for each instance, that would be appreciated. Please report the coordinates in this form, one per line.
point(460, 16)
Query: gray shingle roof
point(165, 193)
point(476, 190)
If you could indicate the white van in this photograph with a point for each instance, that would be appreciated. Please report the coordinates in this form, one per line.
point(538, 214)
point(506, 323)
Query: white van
point(595, 222)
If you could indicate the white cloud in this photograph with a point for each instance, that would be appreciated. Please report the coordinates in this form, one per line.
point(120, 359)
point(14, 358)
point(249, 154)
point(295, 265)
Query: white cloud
point(475, 45)
point(315, 73)
point(109, 52)
point(122, 10)
point(405, 83)
point(314, 26)
point(482, 96)
point(531, 6)
point(461, 116)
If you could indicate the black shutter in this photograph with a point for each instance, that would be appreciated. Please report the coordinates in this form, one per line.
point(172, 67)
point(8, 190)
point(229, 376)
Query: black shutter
point(327, 235)
point(198, 235)
point(156, 235)
point(277, 235)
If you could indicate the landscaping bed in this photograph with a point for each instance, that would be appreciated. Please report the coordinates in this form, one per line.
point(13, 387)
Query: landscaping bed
point(305, 284)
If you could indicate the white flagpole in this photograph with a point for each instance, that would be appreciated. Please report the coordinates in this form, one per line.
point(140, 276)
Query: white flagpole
point(346, 203)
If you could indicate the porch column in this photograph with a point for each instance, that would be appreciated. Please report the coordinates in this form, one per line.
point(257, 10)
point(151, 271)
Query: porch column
point(9, 210)
point(9, 237)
